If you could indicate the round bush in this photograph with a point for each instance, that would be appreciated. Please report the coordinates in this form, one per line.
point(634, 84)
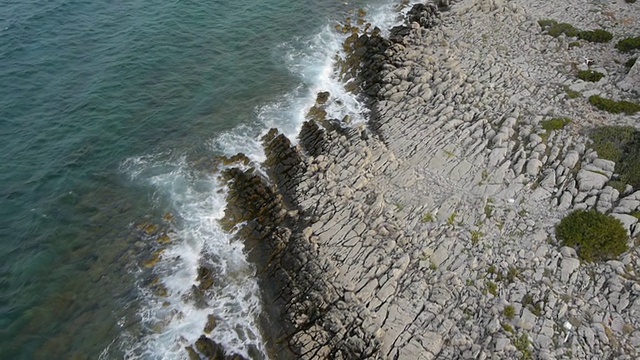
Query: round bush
point(595, 236)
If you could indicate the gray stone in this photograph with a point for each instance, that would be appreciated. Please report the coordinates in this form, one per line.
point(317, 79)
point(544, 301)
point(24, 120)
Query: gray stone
point(567, 267)
point(606, 165)
point(588, 180)
point(571, 159)
point(533, 167)
point(627, 220)
point(527, 320)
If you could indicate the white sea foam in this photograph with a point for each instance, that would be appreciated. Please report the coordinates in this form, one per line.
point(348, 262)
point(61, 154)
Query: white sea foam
point(198, 200)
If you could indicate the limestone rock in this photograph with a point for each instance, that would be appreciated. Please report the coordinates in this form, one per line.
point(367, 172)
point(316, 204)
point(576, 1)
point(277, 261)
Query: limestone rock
point(588, 180)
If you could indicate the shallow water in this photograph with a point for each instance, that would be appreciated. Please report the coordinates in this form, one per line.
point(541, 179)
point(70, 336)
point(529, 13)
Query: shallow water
point(109, 115)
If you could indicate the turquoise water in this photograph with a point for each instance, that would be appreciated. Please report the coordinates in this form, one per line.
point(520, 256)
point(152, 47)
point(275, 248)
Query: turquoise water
point(107, 110)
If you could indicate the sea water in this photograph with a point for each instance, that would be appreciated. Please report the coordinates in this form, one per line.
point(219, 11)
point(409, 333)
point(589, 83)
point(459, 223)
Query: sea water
point(109, 115)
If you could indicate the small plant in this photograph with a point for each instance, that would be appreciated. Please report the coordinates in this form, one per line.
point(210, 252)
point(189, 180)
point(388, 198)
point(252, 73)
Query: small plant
point(475, 237)
point(590, 75)
point(508, 328)
point(450, 154)
point(630, 1)
point(509, 312)
point(628, 44)
point(399, 206)
point(574, 44)
point(594, 235)
point(492, 288)
point(492, 270)
point(485, 174)
point(555, 123)
point(571, 94)
point(529, 303)
point(427, 218)
point(488, 208)
point(513, 274)
point(629, 63)
point(522, 344)
point(597, 36)
point(451, 221)
point(614, 107)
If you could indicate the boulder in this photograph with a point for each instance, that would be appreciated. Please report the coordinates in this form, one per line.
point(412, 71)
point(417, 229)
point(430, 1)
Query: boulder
point(209, 348)
point(589, 180)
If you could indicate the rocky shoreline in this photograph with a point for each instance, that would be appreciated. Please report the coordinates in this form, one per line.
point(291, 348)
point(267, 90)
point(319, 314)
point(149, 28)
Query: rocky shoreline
point(430, 232)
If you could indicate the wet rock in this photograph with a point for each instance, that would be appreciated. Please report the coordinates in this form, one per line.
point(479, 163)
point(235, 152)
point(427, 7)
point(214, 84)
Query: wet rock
point(211, 324)
point(322, 98)
point(209, 348)
point(205, 276)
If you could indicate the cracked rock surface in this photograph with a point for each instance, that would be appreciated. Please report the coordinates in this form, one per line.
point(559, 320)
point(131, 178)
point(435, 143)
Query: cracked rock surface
point(429, 233)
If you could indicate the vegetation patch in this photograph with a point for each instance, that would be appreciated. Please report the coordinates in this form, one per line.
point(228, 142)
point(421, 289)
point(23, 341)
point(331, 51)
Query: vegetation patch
point(630, 62)
point(572, 94)
point(614, 107)
point(618, 185)
point(555, 29)
point(595, 236)
point(630, 1)
point(555, 123)
point(590, 75)
point(622, 145)
point(628, 44)
point(611, 142)
point(523, 345)
point(492, 288)
point(597, 36)
point(509, 312)
point(427, 218)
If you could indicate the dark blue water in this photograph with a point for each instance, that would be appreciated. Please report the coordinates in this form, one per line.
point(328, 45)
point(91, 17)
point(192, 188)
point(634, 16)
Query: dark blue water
point(86, 89)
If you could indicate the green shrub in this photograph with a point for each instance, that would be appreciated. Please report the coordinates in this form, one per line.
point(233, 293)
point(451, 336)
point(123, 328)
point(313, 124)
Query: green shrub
point(563, 28)
point(612, 106)
point(595, 236)
point(597, 36)
point(630, 62)
point(630, 1)
point(555, 123)
point(628, 44)
point(590, 75)
point(509, 312)
point(556, 29)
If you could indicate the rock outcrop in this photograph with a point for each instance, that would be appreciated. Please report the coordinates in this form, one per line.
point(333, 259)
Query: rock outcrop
point(429, 233)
